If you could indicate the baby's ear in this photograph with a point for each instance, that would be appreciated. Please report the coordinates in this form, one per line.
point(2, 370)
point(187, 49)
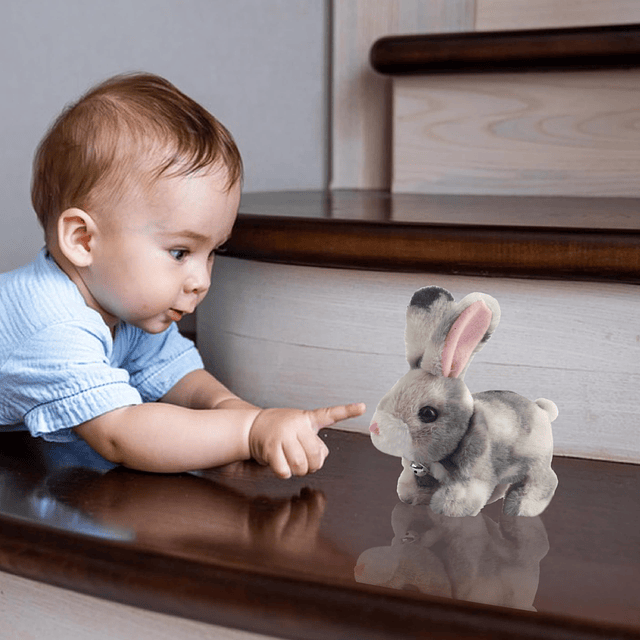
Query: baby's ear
point(76, 230)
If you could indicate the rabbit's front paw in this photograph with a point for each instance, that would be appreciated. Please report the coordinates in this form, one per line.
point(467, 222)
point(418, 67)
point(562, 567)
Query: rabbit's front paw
point(457, 500)
point(408, 490)
point(414, 490)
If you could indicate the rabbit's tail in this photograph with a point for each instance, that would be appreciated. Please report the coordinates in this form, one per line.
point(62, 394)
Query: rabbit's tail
point(549, 407)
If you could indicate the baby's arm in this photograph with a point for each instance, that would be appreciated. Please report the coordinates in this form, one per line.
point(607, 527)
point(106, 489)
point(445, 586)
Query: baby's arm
point(201, 424)
point(167, 438)
point(200, 390)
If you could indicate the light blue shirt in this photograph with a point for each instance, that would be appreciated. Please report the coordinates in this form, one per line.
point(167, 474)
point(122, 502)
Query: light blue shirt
point(60, 366)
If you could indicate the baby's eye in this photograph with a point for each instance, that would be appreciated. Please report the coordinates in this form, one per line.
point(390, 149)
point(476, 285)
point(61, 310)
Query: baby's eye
point(179, 254)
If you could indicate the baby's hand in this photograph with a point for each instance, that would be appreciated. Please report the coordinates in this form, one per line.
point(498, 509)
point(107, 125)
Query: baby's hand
point(287, 439)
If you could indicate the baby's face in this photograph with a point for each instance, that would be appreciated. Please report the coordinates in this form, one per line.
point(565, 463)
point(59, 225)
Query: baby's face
point(153, 258)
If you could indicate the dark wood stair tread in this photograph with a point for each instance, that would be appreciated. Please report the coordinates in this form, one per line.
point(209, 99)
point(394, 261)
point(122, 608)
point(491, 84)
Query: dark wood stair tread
point(533, 49)
point(594, 239)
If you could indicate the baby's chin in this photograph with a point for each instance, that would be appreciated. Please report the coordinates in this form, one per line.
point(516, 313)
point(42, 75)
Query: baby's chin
point(152, 326)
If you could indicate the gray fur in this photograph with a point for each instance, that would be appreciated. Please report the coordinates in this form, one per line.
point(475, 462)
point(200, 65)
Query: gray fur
point(427, 483)
point(523, 408)
point(425, 297)
point(507, 465)
point(482, 446)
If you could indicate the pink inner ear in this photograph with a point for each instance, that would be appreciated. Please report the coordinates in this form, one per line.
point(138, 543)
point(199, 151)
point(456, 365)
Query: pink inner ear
point(463, 338)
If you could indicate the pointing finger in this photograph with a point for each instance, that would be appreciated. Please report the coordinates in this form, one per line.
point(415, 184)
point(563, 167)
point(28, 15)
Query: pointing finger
point(327, 416)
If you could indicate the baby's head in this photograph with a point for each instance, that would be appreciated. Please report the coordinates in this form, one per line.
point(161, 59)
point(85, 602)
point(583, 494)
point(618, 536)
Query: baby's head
point(125, 134)
point(136, 186)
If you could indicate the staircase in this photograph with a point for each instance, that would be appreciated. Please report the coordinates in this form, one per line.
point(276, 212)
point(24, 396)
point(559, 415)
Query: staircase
point(516, 158)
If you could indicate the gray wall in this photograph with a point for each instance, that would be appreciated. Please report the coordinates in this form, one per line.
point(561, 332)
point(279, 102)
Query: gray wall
point(260, 66)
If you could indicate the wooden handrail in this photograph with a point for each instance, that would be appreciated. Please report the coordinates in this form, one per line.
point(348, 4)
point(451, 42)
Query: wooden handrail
point(535, 49)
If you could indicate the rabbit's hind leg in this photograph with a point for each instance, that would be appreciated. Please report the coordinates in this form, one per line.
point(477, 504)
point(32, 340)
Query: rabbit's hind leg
point(531, 495)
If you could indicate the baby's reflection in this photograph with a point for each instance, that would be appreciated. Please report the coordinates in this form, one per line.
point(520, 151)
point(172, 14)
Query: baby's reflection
point(195, 517)
point(470, 558)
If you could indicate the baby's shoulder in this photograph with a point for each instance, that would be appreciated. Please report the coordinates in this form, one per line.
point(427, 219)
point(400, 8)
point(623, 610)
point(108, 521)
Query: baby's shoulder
point(39, 299)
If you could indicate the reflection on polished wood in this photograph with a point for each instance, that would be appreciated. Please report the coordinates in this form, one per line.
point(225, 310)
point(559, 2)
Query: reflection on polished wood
point(473, 558)
point(329, 555)
point(596, 239)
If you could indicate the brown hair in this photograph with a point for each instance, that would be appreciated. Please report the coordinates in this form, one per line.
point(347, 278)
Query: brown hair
point(129, 129)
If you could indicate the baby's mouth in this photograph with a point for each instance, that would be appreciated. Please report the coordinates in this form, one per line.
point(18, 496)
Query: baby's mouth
point(176, 315)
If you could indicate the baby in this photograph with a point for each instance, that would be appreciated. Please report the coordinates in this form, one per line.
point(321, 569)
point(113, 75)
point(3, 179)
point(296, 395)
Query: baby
point(136, 186)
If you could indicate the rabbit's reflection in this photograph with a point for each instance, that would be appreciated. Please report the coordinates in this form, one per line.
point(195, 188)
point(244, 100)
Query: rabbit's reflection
point(469, 558)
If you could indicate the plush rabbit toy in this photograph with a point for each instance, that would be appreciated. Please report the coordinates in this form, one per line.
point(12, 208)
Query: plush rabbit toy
point(462, 451)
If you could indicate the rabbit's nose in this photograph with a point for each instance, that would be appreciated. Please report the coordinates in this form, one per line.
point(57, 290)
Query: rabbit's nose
point(374, 428)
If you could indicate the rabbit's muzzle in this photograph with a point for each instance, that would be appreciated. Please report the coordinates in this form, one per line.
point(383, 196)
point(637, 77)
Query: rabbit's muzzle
point(390, 434)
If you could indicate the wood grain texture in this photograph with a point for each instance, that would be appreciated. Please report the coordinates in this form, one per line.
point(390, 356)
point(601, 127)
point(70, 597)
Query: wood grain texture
point(570, 134)
point(300, 336)
point(361, 99)
point(31, 609)
point(495, 15)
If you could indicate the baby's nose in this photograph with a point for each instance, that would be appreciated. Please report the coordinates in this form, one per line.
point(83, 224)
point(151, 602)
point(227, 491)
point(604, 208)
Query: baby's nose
point(198, 283)
point(199, 288)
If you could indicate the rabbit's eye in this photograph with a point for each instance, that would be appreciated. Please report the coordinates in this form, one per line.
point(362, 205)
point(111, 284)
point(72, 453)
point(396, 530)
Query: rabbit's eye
point(427, 414)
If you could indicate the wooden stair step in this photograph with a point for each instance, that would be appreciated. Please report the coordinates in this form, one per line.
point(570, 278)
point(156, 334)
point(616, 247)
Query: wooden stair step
point(594, 239)
point(596, 47)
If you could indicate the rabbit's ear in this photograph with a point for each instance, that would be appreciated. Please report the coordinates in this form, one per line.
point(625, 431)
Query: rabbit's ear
point(465, 335)
point(442, 336)
point(429, 309)
point(476, 318)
